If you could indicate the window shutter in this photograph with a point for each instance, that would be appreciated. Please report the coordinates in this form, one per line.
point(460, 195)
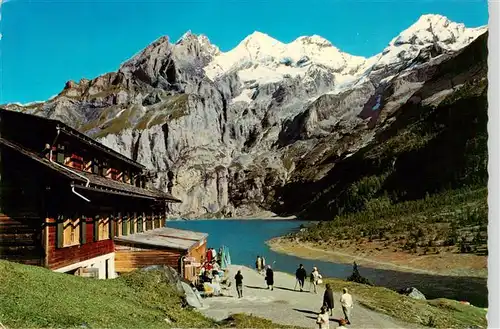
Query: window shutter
point(83, 230)
point(139, 224)
point(156, 220)
point(96, 228)
point(60, 231)
point(60, 154)
point(111, 227)
point(132, 224)
point(95, 166)
point(125, 225)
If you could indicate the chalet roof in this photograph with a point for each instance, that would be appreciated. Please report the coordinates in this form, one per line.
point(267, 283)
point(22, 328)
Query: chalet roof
point(165, 237)
point(97, 182)
point(67, 130)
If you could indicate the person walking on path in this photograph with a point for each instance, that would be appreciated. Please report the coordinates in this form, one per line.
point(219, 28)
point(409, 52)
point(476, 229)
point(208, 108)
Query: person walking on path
point(270, 277)
point(328, 299)
point(301, 276)
point(323, 319)
point(347, 304)
point(239, 283)
point(315, 277)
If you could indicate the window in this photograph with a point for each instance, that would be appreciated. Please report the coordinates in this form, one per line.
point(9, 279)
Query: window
point(76, 161)
point(103, 166)
point(149, 223)
point(101, 228)
point(95, 166)
point(118, 225)
point(125, 225)
point(68, 232)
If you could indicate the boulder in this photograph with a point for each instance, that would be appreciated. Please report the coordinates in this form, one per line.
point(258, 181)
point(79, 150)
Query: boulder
point(170, 276)
point(413, 293)
point(193, 297)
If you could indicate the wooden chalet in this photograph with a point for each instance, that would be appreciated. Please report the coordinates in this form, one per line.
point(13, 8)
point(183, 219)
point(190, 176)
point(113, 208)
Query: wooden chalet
point(73, 205)
point(177, 248)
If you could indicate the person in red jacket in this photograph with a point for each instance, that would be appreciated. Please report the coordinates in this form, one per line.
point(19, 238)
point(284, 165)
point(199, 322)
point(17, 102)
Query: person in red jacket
point(209, 255)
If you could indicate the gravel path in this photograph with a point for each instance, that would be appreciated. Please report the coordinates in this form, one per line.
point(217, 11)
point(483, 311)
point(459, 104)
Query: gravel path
point(286, 306)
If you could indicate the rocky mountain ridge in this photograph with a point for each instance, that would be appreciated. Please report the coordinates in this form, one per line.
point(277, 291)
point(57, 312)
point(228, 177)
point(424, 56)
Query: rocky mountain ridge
point(230, 129)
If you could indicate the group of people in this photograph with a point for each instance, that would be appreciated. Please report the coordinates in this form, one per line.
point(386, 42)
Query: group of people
point(323, 319)
point(260, 264)
point(210, 272)
point(315, 278)
point(328, 304)
point(328, 299)
point(212, 255)
point(262, 268)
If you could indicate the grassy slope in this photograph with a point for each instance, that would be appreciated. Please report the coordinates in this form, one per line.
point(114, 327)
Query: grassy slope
point(437, 313)
point(442, 222)
point(34, 297)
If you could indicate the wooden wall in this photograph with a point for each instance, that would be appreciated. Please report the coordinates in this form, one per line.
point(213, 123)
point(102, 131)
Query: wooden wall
point(199, 252)
point(20, 240)
point(21, 202)
point(128, 259)
point(61, 257)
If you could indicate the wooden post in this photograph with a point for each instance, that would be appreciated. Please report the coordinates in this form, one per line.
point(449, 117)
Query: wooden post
point(83, 229)
point(60, 231)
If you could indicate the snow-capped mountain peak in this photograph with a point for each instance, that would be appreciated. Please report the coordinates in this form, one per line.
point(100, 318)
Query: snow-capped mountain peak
point(261, 59)
point(429, 30)
point(314, 40)
point(259, 40)
point(270, 57)
point(435, 28)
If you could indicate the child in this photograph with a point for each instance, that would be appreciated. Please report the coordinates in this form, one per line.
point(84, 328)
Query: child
point(323, 319)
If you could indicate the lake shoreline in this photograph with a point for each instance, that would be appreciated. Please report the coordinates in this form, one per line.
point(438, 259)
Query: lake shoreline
point(434, 284)
point(265, 215)
point(245, 239)
point(380, 260)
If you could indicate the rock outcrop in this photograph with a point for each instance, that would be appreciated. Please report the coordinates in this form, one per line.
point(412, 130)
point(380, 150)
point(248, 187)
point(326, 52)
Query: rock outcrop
point(228, 132)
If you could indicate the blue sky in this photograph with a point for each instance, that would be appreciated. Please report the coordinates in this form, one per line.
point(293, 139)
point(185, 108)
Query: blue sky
point(46, 43)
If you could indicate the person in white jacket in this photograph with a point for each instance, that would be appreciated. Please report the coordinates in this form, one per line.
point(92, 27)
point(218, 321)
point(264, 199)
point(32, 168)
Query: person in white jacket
point(315, 279)
point(347, 304)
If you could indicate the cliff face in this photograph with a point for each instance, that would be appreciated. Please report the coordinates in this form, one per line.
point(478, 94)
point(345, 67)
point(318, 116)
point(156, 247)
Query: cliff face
point(264, 125)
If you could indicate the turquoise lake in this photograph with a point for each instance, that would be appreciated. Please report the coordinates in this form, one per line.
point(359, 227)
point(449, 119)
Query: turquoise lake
point(246, 239)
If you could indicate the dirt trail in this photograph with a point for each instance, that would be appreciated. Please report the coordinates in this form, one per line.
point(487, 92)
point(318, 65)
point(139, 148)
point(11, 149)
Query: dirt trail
point(286, 306)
